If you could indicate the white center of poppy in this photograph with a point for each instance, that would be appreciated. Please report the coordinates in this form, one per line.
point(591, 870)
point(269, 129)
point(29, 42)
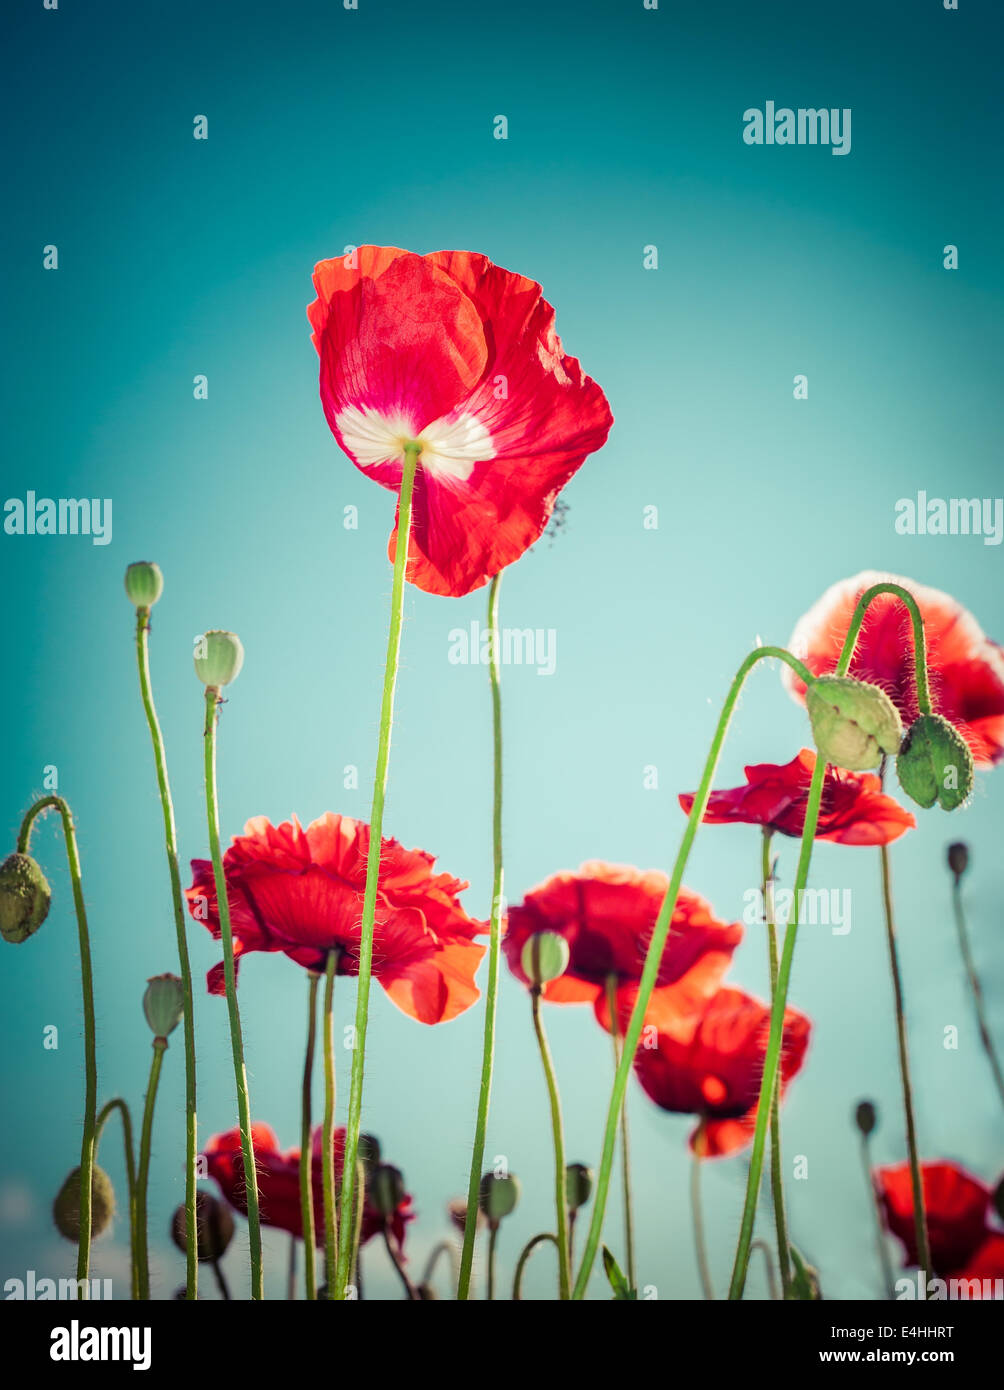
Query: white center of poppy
point(449, 446)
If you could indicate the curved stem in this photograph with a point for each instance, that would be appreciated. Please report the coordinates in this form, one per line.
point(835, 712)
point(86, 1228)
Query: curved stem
point(525, 1253)
point(493, 1235)
point(776, 1168)
point(772, 1060)
point(657, 945)
point(557, 1129)
point(700, 1247)
point(398, 1263)
point(230, 976)
point(119, 1104)
point(178, 902)
point(90, 1048)
point(447, 1248)
point(919, 640)
point(494, 955)
point(328, 1136)
point(344, 1271)
point(884, 1262)
point(306, 1146)
point(768, 1261)
point(919, 1213)
point(615, 1032)
point(975, 987)
point(142, 1251)
point(221, 1282)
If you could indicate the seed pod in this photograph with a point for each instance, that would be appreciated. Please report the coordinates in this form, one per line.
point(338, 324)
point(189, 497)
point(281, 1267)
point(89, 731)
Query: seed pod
point(219, 657)
point(544, 957)
point(498, 1196)
point(164, 1004)
point(578, 1185)
point(958, 858)
point(865, 1117)
point(144, 583)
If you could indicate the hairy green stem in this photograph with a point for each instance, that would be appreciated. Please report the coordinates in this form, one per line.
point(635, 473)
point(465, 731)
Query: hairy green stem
point(142, 1177)
point(615, 1032)
point(328, 1136)
point(525, 1253)
point(885, 1264)
point(975, 987)
point(306, 1145)
point(700, 1247)
point(130, 1161)
point(919, 639)
point(776, 1168)
point(557, 1130)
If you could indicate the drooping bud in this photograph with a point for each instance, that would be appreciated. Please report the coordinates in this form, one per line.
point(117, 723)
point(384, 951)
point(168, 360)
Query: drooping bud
point(368, 1149)
point(219, 657)
point(24, 898)
point(144, 583)
point(66, 1207)
point(498, 1196)
point(854, 723)
point(214, 1228)
point(386, 1189)
point(958, 858)
point(164, 1004)
point(935, 763)
point(578, 1185)
point(544, 957)
point(865, 1117)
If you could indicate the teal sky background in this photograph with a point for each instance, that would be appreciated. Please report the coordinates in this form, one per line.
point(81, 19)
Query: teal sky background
point(180, 257)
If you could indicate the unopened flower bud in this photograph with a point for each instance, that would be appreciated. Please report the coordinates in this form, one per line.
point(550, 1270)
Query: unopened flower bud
point(66, 1207)
point(219, 657)
point(214, 1227)
point(498, 1196)
point(386, 1189)
point(544, 957)
point(164, 1004)
point(368, 1150)
point(865, 1117)
point(854, 724)
point(935, 763)
point(24, 898)
point(456, 1210)
point(144, 583)
point(958, 858)
point(578, 1185)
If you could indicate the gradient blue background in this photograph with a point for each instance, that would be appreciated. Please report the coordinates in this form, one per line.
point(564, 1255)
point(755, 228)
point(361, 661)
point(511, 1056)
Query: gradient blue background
point(178, 257)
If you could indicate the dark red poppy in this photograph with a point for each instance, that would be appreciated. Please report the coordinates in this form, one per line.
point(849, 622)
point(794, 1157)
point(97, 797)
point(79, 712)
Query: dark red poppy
point(606, 913)
point(301, 892)
point(460, 355)
point(958, 1209)
point(965, 668)
point(854, 810)
point(715, 1072)
point(279, 1182)
point(986, 1262)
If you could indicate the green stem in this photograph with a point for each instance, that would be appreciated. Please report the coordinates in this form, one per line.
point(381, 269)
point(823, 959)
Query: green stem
point(919, 639)
point(657, 944)
point(306, 1146)
point(171, 842)
point(615, 1032)
point(291, 1269)
point(130, 1161)
point(411, 453)
point(873, 1201)
point(494, 956)
point(142, 1178)
point(447, 1248)
point(975, 986)
point(557, 1129)
point(221, 1282)
point(230, 976)
point(525, 1253)
point(768, 1261)
point(919, 1213)
point(398, 1263)
point(493, 1235)
point(700, 1247)
point(328, 1136)
point(776, 1168)
point(357, 1225)
point(90, 1048)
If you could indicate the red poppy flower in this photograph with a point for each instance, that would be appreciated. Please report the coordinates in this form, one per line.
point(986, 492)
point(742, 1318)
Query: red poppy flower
point(957, 1205)
point(451, 350)
point(716, 1072)
point(854, 811)
point(965, 668)
point(986, 1262)
point(301, 892)
point(606, 913)
point(279, 1182)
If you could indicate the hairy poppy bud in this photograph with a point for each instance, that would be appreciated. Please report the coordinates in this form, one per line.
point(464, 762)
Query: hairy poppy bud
point(935, 763)
point(214, 1227)
point(164, 1004)
point(456, 1210)
point(865, 1117)
point(853, 723)
point(66, 1207)
point(958, 858)
point(544, 957)
point(368, 1149)
point(498, 1196)
point(386, 1189)
point(144, 583)
point(219, 657)
point(24, 898)
point(578, 1185)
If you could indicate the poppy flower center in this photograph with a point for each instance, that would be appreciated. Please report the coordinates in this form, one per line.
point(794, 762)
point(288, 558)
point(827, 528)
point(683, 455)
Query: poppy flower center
point(450, 446)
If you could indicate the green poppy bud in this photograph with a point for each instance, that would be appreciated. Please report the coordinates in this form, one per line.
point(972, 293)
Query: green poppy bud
point(958, 858)
point(164, 1004)
point(544, 957)
point(935, 763)
point(498, 1196)
point(853, 723)
point(66, 1207)
point(219, 657)
point(214, 1227)
point(578, 1185)
point(144, 583)
point(386, 1189)
point(865, 1117)
point(24, 898)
